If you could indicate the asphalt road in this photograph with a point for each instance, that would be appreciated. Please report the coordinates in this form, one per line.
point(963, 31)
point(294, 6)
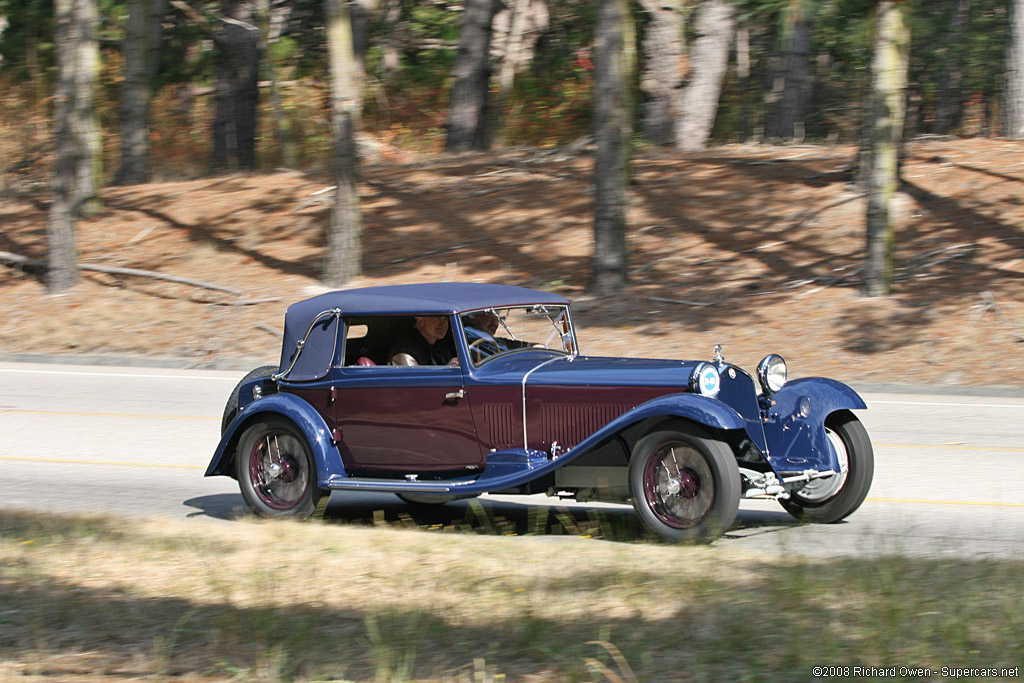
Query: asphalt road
point(135, 442)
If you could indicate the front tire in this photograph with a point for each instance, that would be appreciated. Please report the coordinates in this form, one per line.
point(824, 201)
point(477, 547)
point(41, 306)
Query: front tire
point(685, 484)
point(275, 470)
point(828, 500)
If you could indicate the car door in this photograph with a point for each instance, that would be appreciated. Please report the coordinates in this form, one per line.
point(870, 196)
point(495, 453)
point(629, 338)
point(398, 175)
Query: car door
point(405, 419)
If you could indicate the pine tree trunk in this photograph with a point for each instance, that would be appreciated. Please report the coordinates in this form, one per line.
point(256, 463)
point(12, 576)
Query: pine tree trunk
point(612, 133)
point(141, 58)
point(344, 253)
point(467, 115)
point(949, 109)
point(664, 65)
point(709, 59)
point(795, 75)
point(237, 68)
point(889, 83)
point(1013, 98)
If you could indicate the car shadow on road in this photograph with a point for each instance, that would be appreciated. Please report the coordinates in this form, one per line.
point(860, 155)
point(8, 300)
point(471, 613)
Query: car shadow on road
point(218, 506)
point(492, 516)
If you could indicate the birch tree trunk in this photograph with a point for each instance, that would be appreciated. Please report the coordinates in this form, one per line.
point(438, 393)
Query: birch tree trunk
point(87, 130)
point(392, 15)
point(889, 68)
point(709, 59)
point(282, 126)
point(141, 60)
point(1013, 99)
point(344, 250)
point(612, 133)
point(467, 115)
point(523, 17)
point(664, 66)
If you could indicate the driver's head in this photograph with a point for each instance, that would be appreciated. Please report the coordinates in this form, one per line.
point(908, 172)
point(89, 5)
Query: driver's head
point(485, 321)
point(432, 327)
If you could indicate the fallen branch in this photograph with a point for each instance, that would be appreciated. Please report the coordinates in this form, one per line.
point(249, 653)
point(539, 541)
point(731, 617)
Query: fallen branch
point(681, 302)
point(25, 261)
point(114, 270)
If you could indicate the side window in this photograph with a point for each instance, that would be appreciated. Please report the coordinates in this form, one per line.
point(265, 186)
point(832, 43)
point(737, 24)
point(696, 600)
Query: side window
point(398, 340)
point(355, 335)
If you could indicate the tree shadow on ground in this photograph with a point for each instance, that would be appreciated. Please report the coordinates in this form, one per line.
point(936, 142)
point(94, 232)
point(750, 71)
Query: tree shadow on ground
point(486, 515)
point(213, 622)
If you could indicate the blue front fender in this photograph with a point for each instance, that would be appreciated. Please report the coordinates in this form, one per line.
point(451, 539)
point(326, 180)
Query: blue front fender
point(795, 428)
point(700, 409)
point(293, 408)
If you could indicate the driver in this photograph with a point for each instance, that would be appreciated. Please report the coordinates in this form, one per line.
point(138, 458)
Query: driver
point(487, 322)
point(428, 344)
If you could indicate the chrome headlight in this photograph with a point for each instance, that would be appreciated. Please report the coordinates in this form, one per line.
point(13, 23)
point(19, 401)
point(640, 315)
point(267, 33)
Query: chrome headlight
point(772, 373)
point(705, 380)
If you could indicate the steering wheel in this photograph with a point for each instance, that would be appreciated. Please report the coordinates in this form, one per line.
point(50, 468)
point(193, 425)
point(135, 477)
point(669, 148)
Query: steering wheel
point(484, 347)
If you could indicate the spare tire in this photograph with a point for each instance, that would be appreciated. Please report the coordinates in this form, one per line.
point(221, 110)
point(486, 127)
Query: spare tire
point(231, 408)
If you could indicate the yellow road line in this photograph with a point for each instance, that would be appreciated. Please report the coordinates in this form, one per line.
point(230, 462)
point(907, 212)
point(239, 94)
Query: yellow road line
point(918, 501)
point(85, 414)
point(952, 447)
point(69, 461)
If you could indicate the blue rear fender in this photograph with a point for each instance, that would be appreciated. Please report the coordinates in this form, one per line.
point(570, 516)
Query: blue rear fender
point(309, 422)
point(795, 428)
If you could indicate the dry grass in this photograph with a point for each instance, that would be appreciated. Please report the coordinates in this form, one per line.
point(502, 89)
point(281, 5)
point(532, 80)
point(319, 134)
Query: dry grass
point(89, 598)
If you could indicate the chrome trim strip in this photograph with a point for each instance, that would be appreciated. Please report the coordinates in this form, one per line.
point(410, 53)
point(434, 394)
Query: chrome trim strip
point(336, 312)
point(525, 377)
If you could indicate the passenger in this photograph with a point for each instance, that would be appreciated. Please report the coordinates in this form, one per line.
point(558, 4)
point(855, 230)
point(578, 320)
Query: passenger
point(428, 344)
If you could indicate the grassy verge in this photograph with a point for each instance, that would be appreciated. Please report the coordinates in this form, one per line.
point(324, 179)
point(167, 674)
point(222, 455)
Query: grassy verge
point(89, 598)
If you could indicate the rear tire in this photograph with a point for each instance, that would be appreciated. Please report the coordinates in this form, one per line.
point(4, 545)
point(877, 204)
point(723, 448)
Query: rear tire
point(231, 408)
point(685, 484)
point(813, 504)
point(275, 470)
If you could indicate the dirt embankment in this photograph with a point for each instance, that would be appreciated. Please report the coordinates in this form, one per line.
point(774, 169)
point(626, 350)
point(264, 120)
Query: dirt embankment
point(758, 249)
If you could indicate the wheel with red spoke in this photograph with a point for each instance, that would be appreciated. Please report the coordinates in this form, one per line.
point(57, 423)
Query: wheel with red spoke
point(685, 484)
point(275, 470)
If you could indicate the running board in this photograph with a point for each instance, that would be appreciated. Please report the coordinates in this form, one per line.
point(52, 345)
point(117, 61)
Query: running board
point(395, 485)
point(506, 468)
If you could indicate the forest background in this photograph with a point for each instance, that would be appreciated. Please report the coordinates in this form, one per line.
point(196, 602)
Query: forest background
point(773, 73)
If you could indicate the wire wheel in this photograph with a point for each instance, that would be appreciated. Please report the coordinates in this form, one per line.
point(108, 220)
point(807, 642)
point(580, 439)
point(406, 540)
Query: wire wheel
point(678, 485)
point(685, 484)
point(275, 470)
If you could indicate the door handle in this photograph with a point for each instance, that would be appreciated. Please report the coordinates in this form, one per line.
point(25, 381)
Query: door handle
point(454, 395)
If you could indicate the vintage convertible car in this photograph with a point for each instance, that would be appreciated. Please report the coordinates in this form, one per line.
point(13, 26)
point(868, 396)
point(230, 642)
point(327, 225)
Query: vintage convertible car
point(520, 410)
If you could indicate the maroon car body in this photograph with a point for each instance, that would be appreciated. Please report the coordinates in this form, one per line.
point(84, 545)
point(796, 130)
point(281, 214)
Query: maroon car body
point(521, 410)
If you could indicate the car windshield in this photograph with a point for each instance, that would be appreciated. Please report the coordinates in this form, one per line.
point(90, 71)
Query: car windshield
point(493, 332)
